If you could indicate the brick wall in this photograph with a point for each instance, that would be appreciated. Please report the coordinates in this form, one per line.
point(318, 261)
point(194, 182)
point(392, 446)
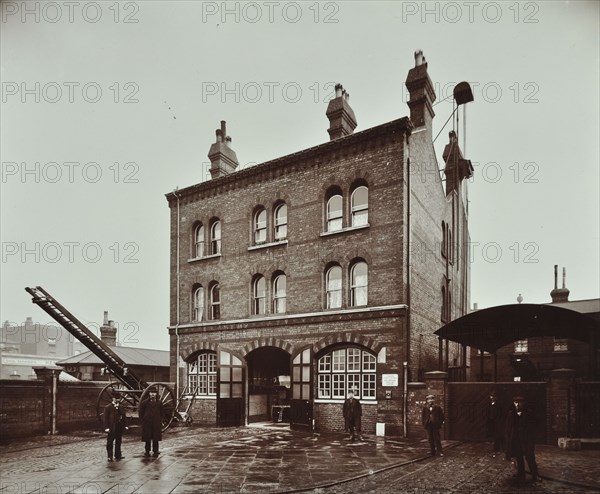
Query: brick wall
point(329, 417)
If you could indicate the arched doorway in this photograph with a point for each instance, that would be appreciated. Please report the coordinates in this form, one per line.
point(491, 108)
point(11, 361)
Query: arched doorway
point(268, 385)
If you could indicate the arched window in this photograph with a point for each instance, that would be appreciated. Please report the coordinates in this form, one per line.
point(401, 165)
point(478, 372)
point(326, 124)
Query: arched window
point(333, 280)
point(260, 226)
point(444, 246)
point(360, 206)
point(199, 241)
point(215, 237)
point(215, 301)
point(359, 284)
point(198, 304)
point(202, 374)
point(344, 369)
point(279, 294)
point(280, 222)
point(258, 295)
point(334, 213)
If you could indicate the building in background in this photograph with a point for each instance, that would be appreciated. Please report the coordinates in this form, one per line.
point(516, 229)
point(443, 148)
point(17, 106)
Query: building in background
point(33, 344)
point(296, 280)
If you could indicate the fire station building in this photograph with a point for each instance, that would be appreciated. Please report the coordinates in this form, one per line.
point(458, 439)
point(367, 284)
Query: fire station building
point(323, 271)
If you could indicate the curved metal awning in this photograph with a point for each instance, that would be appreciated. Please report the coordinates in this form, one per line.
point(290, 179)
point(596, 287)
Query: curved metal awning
point(492, 328)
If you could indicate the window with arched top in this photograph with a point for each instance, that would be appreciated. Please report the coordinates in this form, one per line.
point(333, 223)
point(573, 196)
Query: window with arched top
point(215, 302)
point(199, 241)
point(280, 294)
point(260, 226)
point(334, 213)
point(280, 222)
point(202, 374)
point(351, 368)
point(333, 284)
point(360, 206)
point(359, 284)
point(198, 304)
point(215, 237)
point(259, 293)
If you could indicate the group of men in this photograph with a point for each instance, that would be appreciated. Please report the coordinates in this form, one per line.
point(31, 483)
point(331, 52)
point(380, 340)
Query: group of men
point(512, 430)
point(115, 423)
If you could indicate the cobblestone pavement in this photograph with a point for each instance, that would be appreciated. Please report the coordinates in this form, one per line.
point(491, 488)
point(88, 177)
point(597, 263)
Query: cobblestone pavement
point(253, 459)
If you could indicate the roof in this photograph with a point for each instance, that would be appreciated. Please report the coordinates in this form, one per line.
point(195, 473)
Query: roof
point(492, 328)
point(130, 355)
point(590, 307)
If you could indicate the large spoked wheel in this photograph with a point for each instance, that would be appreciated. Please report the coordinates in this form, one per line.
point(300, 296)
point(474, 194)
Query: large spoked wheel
point(126, 400)
point(167, 397)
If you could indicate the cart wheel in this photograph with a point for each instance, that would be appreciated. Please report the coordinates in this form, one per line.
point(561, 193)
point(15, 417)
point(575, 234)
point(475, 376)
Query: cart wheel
point(105, 397)
point(167, 397)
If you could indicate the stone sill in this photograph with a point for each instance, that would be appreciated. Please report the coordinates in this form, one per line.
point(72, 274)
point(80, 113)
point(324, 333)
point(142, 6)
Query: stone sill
point(266, 246)
point(212, 256)
point(344, 230)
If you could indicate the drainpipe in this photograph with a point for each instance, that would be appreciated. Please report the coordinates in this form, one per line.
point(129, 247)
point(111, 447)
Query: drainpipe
point(55, 374)
point(177, 302)
point(408, 303)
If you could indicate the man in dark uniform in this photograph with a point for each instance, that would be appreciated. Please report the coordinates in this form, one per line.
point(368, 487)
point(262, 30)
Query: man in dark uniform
point(150, 412)
point(432, 418)
point(495, 423)
point(352, 416)
point(114, 423)
point(521, 426)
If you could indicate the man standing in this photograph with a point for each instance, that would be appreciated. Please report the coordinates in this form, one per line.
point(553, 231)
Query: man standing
point(114, 423)
point(495, 423)
point(352, 416)
point(150, 412)
point(520, 431)
point(432, 419)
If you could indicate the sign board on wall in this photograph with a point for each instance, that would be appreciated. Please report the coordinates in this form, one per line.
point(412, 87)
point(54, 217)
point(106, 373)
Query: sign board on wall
point(389, 379)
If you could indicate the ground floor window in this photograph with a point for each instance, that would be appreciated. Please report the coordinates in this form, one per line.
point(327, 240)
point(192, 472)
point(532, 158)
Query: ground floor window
point(347, 369)
point(202, 374)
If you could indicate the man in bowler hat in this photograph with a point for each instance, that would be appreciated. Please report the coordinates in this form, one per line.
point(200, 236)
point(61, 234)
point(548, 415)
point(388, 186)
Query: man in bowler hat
point(433, 418)
point(520, 434)
point(495, 423)
point(150, 412)
point(352, 416)
point(114, 424)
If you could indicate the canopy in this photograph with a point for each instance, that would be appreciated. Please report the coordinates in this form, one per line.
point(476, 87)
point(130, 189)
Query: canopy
point(492, 328)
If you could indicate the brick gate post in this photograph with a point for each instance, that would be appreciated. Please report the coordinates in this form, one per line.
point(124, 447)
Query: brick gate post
point(49, 374)
point(436, 384)
point(560, 406)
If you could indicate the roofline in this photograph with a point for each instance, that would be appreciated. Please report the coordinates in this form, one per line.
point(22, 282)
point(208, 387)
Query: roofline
point(403, 124)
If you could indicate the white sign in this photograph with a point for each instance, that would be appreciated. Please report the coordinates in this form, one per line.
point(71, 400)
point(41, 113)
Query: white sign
point(389, 379)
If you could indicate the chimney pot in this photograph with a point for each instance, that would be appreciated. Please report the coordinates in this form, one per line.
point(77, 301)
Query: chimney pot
point(105, 317)
point(223, 131)
point(419, 58)
point(338, 90)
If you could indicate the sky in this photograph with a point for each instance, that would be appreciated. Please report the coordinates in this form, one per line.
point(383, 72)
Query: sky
point(108, 106)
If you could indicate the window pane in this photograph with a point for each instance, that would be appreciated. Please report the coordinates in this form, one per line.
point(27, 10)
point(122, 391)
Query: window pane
point(358, 284)
point(236, 391)
point(212, 363)
point(339, 360)
point(225, 358)
point(199, 237)
point(325, 363)
point(237, 374)
point(260, 226)
point(296, 373)
point(279, 294)
point(360, 205)
point(324, 386)
point(258, 306)
point(334, 213)
point(281, 222)
point(339, 385)
point(305, 391)
point(353, 359)
point(212, 385)
point(306, 356)
point(354, 384)
point(225, 374)
point(297, 390)
point(235, 360)
point(369, 362)
point(334, 287)
point(224, 390)
point(368, 385)
point(305, 373)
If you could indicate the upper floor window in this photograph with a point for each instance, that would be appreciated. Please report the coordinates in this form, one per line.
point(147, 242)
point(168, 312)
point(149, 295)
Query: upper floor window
point(360, 206)
point(215, 301)
point(445, 313)
point(198, 304)
point(280, 222)
point(199, 241)
point(215, 237)
point(347, 369)
point(260, 226)
point(561, 344)
point(333, 280)
point(202, 374)
point(521, 346)
point(358, 284)
point(258, 295)
point(444, 245)
point(279, 294)
point(334, 213)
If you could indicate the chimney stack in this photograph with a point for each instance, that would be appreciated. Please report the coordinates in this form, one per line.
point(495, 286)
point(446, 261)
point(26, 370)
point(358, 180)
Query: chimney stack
point(559, 294)
point(108, 332)
point(422, 94)
point(223, 159)
point(342, 121)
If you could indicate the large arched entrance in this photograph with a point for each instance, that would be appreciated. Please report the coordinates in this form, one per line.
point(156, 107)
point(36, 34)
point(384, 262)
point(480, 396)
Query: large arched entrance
point(269, 391)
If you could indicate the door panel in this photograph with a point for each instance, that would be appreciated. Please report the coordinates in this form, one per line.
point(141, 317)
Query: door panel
point(301, 406)
point(230, 386)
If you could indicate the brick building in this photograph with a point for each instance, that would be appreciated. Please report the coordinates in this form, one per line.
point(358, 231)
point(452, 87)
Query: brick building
point(323, 270)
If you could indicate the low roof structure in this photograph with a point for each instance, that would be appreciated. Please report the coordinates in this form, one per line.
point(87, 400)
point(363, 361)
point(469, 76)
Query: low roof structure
point(130, 355)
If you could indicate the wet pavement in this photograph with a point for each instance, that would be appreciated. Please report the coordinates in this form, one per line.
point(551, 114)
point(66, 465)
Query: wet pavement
point(273, 459)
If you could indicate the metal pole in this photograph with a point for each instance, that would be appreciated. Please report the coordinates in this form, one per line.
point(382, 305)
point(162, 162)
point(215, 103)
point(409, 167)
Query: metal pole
point(54, 391)
point(405, 400)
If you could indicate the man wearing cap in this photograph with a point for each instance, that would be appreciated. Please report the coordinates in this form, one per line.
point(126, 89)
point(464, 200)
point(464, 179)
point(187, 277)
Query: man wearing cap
point(150, 412)
point(352, 416)
point(114, 424)
point(433, 418)
point(520, 428)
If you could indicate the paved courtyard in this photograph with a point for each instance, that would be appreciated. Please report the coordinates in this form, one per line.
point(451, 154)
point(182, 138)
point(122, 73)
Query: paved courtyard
point(275, 459)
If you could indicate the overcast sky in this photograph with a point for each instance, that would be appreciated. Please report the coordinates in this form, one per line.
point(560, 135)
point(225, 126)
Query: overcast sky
point(108, 106)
